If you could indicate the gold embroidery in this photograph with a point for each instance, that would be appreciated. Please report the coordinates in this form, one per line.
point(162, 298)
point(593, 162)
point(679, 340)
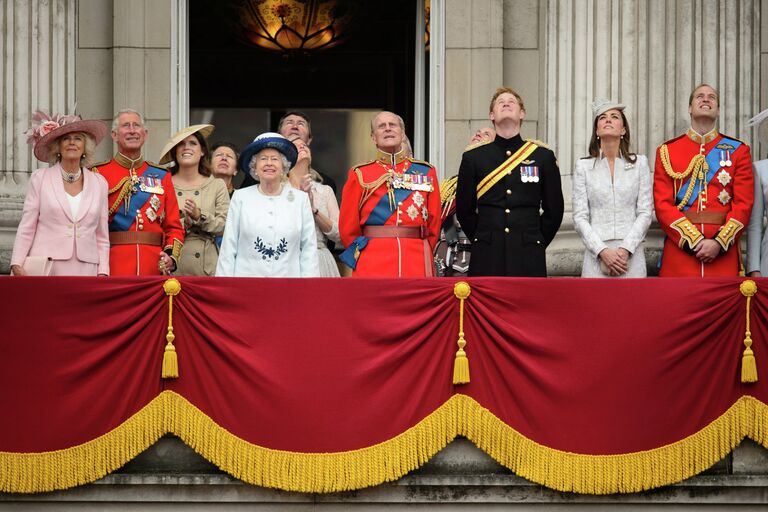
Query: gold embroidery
point(688, 232)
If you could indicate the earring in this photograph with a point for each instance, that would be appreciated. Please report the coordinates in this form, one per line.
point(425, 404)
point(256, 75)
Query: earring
point(598, 137)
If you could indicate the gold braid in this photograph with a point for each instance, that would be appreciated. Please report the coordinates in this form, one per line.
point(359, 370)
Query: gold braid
point(695, 167)
point(370, 188)
point(448, 189)
point(124, 184)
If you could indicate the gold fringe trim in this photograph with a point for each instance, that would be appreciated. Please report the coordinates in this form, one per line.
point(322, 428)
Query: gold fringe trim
point(315, 472)
point(389, 460)
point(87, 462)
point(609, 474)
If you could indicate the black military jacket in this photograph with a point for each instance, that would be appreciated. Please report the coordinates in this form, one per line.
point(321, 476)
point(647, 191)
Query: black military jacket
point(511, 225)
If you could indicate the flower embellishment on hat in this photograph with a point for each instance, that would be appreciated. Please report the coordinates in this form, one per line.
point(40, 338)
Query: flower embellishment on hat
point(602, 105)
point(46, 128)
point(44, 123)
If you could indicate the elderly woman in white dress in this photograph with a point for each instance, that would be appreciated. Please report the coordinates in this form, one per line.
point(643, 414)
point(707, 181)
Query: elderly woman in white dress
point(325, 209)
point(612, 198)
point(270, 230)
point(757, 242)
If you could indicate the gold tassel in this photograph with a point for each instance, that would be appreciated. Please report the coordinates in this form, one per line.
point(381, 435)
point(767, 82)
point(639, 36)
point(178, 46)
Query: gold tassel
point(461, 363)
point(748, 365)
point(170, 358)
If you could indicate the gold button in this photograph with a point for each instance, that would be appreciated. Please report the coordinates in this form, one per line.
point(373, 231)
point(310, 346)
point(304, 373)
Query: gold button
point(400, 203)
point(509, 192)
point(141, 226)
point(509, 172)
point(506, 211)
point(538, 242)
point(509, 153)
point(506, 230)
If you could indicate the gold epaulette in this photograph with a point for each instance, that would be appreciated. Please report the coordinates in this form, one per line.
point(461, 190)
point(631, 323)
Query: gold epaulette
point(448, 189)
point(733, 138)
point(476, 145)
point(95, 166)
point(539, 143)
point(421, 162)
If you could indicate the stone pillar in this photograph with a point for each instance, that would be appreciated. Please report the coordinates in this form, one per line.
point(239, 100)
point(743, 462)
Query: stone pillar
point(37, 41)
point(142, 66)
point(649, 55)
point(474, 65)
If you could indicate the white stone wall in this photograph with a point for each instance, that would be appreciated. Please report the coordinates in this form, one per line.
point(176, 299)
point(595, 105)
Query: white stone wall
point(37, 44)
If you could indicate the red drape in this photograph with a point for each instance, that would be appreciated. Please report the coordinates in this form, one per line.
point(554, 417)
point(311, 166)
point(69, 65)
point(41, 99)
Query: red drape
point(595, 367)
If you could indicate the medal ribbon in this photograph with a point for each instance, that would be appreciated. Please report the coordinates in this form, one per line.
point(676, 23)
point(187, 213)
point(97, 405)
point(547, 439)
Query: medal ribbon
point(513, 161)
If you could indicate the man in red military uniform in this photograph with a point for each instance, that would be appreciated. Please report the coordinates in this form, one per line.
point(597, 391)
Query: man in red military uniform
point(390, 209)
point(703, 191)
point(145, 231)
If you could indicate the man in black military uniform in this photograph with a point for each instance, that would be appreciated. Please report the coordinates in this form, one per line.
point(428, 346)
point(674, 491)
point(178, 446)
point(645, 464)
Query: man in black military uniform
point(509, 200)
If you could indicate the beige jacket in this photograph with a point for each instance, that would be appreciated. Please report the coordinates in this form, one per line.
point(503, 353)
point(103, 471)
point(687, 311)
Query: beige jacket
point(200, 254)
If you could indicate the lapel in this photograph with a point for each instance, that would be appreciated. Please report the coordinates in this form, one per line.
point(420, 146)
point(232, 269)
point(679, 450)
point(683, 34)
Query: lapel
point(54, 175)
point(87, 195)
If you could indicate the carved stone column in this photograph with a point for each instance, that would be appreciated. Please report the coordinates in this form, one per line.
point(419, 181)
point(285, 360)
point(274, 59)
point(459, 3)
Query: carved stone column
point(648, 54)
point(37, 41)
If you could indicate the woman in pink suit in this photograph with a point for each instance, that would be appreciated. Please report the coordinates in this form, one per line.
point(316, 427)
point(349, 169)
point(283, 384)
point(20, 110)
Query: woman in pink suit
point(65, 211)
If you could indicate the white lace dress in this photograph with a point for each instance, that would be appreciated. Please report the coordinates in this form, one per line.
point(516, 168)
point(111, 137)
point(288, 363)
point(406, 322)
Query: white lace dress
point(325, 202)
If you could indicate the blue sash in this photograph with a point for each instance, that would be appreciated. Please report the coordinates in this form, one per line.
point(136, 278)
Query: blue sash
point(379, 215)
point(122, 219)
point(713, 166)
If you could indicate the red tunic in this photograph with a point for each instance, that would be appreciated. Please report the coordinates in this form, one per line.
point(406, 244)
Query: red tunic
point(158, 214)
point(367, 186)
point(720, 210)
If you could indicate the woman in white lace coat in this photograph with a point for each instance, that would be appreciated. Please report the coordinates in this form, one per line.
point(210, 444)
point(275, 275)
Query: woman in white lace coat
point(325, 209)
point(612, 198)
point(757, 238)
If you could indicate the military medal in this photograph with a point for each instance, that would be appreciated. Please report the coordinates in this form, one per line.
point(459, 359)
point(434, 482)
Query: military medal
point(529, 173)
point(151, 215)
point(150, 183)
point(424, 213)
point(154, 202)
point(725, 158)
point(412, 212)
point(724, 197)
point(418, 198)
point(723, 177)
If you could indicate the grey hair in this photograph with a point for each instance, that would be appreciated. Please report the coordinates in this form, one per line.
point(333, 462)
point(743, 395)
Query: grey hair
point(399, 120)
point(127, 111)
point(252, 165)
point(86, 160)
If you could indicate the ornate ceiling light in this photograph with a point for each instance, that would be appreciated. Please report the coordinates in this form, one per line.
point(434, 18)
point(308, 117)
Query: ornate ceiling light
point(295, 25)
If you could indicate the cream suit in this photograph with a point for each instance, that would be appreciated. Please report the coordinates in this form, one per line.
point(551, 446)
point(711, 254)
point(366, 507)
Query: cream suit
point(612, 214)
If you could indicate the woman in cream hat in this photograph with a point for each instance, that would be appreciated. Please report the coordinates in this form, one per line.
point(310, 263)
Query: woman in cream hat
point(203, 199)
point(63, 229)
point(270, 230)
point(757, 242)
point(612, 200)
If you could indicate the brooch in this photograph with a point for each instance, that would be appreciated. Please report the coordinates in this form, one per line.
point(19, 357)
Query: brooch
point(723, 177)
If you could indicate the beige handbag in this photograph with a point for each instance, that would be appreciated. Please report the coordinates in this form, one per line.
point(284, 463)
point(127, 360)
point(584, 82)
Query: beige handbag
point(38, 266)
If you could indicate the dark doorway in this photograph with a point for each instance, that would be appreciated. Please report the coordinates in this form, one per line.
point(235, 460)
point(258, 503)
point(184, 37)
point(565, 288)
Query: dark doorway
point(244, 89)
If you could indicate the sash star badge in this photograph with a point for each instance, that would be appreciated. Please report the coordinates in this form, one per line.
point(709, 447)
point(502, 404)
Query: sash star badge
point(724, 197)
point(412, 212)
point(723, 177)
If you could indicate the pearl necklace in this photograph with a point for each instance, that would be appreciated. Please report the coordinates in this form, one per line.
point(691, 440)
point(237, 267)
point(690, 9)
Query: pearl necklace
point(71, 177)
